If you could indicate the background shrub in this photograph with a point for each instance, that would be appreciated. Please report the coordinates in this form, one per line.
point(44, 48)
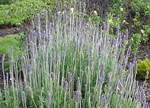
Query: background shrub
point(143, 69)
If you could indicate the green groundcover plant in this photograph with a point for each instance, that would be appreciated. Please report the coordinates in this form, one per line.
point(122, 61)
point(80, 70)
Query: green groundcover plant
point(14, 42)
point(11, 41)
point(15, 14)
point(72, 64)
point(143, 71)
point(25, 10)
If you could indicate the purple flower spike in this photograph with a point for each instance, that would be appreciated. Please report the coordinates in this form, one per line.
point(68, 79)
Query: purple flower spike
point(38, 16)
point(31, 35)
point(108, 78)
point(26, 42)
point(29, 67)
point(99, 50)
point(34, 36)
point(103, 101)
point(11, 62)
point(77, 95)
point(130, 67)
point(120, 87)
point(119, 38)
point(59, 16)
point(78, 83)
point(142, 94)
point(81, 40)
point(70, 76)
point(100, 81)
point(46, 12)
point(49, 31)
point(103, 74)
point(139, 95)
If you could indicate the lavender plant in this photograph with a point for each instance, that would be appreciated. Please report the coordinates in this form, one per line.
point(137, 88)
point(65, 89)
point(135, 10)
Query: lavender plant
point(73, 64)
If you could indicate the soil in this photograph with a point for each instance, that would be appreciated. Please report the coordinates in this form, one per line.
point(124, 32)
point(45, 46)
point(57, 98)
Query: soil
point(143, 52)
point(7, 30)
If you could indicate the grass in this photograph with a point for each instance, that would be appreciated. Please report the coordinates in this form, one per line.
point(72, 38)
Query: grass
point(11, 41)
point(73, 64)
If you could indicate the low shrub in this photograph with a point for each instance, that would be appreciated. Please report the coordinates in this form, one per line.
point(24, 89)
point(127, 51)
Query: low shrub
point(11, 41)
point(15, 14)
point(25, 10)
point(143, 70)
point(72, 64)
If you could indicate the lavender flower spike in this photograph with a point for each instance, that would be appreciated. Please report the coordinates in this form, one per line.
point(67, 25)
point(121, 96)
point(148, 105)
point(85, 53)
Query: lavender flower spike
point(70, 76)
point(77, 95)
point(79, 83)
point(120, 87)
point(108, 78)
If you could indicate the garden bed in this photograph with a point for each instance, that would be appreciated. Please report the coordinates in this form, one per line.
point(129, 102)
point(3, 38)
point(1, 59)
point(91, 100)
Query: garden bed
point(82, 60)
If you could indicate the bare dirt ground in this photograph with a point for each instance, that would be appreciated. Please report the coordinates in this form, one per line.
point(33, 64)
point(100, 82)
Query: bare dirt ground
point(7, 30)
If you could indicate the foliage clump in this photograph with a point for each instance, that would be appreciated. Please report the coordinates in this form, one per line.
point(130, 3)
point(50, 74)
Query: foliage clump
point(9, 42)
point(25, 10)
point(143, 69)
point(17, 13)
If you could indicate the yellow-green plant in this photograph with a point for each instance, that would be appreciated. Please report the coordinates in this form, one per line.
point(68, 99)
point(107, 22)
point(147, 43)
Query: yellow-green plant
point(19, 12)
point(143, 70)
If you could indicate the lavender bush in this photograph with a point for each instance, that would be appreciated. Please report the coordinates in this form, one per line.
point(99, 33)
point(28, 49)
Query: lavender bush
point(73, 64)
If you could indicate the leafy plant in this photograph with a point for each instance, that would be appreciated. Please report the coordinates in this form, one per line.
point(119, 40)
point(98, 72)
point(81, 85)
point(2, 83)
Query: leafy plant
point(16, 13)
point(12, 41)
point(136, 40)
point(132, 15)
point(143, 70)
